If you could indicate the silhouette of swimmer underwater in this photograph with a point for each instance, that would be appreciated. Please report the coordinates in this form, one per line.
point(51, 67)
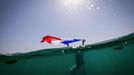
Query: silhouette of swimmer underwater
point(78, 68)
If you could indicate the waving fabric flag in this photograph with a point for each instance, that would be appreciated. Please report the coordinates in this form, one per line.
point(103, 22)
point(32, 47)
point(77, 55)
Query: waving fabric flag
point(51, 39)
point(56, 40)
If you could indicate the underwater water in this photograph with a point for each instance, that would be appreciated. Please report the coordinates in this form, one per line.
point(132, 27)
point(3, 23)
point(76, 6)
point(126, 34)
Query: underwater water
point(112, 57)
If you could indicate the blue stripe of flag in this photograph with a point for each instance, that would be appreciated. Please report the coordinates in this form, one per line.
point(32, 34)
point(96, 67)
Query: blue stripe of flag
point(70, 41)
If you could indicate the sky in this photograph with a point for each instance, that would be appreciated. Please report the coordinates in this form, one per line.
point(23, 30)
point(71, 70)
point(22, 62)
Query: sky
point(24, 22)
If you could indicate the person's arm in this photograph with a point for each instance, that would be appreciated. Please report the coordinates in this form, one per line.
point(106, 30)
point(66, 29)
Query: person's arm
point(83, 41)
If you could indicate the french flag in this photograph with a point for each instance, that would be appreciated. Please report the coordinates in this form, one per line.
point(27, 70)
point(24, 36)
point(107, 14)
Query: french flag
point(55, 40)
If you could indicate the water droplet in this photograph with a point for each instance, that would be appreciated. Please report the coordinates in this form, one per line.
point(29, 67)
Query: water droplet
point(97, 8)
point(92, 5)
